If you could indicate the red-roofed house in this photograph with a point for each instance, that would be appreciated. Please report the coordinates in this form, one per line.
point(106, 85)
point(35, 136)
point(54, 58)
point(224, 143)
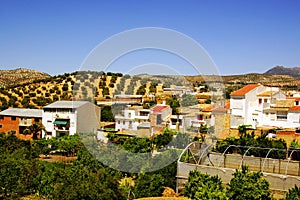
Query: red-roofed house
point(250, 104)
point(160, 114)
point(242, 105)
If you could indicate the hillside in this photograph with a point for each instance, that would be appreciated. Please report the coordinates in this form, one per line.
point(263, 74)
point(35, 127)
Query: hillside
point(101, 86)
point(243, 79)
point(89, 85)
point(20, 76)
point(295, 71)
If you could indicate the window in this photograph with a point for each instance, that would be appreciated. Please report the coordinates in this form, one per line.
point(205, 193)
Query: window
point(265, 100)
point(259, 101)
point(281, 115)
point(1, 117)
point(297, 103)
point(119, 122)
point(13, 118)
point(0, 125)
point(129, 115)
point(123, 122)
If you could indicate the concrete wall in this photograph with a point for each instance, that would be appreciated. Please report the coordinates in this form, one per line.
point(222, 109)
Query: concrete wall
point(281, 174)
point(88, 118)
point(222, 126)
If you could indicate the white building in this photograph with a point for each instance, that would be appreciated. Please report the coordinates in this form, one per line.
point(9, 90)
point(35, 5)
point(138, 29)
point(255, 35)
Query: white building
point(70, 117)
point(131, 118)
point(247, 104)
point(257, 105)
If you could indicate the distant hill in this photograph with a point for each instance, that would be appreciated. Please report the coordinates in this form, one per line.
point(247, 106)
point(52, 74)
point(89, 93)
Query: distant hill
point(20, 76)
point(295, 71)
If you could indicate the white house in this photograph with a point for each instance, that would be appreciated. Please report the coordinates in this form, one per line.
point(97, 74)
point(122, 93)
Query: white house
point(131, 118)
point(70, 117)
point(293, 116)
point(243, 104)
point(247, 104)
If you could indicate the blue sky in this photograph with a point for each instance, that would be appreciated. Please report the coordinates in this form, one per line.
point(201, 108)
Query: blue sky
point(241, 36)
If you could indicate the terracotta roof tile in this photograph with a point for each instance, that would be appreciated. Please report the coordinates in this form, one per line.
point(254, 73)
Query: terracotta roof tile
point(244, 90)
point(159, 108)
point(295, 108)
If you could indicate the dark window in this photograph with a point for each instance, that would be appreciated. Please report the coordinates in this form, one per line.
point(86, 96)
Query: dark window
point(13, 118)
point(259, 101)
point(1, 117)
point(0, 125)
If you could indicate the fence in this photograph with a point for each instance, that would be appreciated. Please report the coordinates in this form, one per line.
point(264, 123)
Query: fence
point(282, 174)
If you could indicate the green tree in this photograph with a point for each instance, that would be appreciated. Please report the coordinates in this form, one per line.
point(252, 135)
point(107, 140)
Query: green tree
point(149, 185)
point(189, 100)
point(293, 193)
point(174, 104)
point(35, 129)
point(202, 186)
point(248, 185)
point(107, 114)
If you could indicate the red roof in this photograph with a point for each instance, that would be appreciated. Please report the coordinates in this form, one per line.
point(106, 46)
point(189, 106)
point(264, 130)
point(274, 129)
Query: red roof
point(244, 90)
point(159, 108)
point(295, 108)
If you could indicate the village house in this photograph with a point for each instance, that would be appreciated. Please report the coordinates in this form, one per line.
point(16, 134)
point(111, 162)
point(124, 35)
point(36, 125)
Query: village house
point(261, 106)
point(70, 117)
point(131, 117)
point(18, 119)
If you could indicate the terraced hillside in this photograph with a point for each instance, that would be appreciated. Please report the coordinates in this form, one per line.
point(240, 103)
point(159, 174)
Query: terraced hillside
point(19, 76)
point(88, 85)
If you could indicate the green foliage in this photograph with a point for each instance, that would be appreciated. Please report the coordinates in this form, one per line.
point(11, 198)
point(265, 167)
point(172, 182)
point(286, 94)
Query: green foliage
point(17, 174)
point(293, 194)
point(105, 91)
point(141, 90)
point(149, 185)
point(162, 140)
point(248, 140)
point(202, 186)
point(35, 129)
point(174, 104)
point(137, 145)
point(189, 100)
point(248, 185)
point(107, 114)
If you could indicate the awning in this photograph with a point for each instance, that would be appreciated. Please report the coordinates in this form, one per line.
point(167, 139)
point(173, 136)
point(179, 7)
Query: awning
point(60, 122)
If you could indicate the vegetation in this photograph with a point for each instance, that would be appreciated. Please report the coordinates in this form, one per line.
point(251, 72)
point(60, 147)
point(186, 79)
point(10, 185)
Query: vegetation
point(246, 140)
point(243, 185)
point(202, 186)
point(248, 185)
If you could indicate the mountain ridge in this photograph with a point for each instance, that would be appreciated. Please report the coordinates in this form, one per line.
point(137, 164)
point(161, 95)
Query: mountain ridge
point(281, 70)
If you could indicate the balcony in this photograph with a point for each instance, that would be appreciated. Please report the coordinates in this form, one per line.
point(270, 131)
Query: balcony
point(61, 124)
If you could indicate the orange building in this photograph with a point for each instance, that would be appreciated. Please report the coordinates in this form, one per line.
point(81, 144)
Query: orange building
point(18, 119)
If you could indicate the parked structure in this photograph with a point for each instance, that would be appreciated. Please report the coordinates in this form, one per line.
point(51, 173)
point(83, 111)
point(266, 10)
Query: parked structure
point(18, 119)
point(70, 117)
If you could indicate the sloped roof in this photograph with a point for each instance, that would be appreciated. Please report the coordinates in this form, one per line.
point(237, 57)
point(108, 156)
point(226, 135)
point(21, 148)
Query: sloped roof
point(295, 108)
point(22, 112)
point(66, 104)
point(159, 108)
point(243, 91)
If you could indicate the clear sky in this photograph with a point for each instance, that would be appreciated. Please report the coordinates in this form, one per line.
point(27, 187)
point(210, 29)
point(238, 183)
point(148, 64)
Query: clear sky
point(241, 36)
